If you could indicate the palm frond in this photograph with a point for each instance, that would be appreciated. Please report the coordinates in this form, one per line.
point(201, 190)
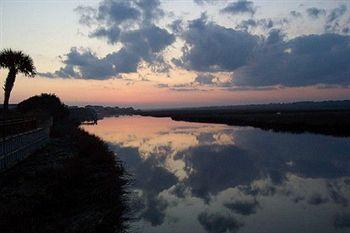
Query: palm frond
point(18, 61)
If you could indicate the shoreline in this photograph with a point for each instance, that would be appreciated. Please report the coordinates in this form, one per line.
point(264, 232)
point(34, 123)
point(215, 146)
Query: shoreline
point(331, 122)
point(74, 184)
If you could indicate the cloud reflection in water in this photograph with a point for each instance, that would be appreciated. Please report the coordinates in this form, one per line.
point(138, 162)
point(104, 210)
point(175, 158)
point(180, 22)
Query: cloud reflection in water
point(218, 178)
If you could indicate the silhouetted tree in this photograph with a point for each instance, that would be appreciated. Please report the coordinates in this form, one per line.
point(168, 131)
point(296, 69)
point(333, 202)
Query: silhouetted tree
point(16, 62)
point(49, 104)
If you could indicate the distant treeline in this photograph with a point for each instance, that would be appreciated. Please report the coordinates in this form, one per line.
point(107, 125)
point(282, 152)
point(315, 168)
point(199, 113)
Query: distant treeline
point(295, 106)
point(327, 117)
point(96, 112)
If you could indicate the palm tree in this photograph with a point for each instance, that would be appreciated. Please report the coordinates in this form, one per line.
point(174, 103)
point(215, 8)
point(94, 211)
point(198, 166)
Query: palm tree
point(16, 62)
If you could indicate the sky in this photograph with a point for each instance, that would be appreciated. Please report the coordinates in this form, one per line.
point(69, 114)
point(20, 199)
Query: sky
point(163, 53)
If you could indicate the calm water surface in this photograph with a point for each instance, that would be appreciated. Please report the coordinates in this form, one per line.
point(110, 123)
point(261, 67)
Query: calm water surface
point(194, 177)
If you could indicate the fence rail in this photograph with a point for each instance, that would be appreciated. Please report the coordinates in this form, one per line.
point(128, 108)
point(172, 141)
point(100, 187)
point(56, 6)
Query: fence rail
point(16, 126)
point(17, 147)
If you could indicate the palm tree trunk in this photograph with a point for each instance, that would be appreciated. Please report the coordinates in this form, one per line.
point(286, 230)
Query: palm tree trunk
point(10, 81)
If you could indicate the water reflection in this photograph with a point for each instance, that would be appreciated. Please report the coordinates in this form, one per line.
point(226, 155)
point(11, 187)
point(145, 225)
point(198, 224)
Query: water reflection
point(194, 177)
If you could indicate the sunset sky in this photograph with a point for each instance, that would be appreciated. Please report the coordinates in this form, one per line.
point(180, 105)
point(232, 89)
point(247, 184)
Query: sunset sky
point(175, 53)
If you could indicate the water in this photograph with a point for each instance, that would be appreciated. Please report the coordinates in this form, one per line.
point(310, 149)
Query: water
point(195, 177)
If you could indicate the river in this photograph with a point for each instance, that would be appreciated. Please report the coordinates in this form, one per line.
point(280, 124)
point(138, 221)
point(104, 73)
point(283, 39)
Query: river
point(197, 177)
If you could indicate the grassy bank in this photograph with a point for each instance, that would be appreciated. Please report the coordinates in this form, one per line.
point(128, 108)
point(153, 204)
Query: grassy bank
point(329, 122)
point(75, 184)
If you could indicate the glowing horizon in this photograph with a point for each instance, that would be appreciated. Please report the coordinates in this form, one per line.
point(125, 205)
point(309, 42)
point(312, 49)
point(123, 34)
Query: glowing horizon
point(51, 34)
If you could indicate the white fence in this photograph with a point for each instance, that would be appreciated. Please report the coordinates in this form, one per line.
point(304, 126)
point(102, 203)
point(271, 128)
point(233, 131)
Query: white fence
point(17, 147)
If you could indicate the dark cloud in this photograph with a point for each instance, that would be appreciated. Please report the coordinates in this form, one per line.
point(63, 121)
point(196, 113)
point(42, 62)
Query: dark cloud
point(306, 160)
point(315, 12)
point(111, 34)
point(177, 26)
point(87, 15)
point(240, 7)
point(277, 176)
point(342, 220)
point(334, 194)
point(275, 36)
point(84, 64)
point(179, 190)
point(253, 190)
point(193, 86)
point(112, 20)
point(246, 24)
point(152, 177)
point(214, 168)
point(218, 223)
point(266, 61)
point(154, 212)
point(336, 13)
point(302, 61)
point(117, 11)
point(205, 79)
point(162, 85)
point(256, 61)
point(148, 40)
point(246, 207)
point(295, 14)
point(201, 2)
point(265, 24)
point(150, 10)
point(129, 155)
point(333, 23)
point(317, 199)
point(143, 44)
point(210, 47)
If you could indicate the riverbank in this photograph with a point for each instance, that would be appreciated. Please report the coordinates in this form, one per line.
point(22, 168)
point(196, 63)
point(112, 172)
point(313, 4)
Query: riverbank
point(74, 184)
point(328, 122)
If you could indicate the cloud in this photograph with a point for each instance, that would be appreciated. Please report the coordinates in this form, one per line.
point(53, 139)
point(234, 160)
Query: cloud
point(240, 7)
point(317, 199)
point(265, 24)
point(151, 39)
point(210, 47)
point(333, 20)
point(204, 79)
point(206, 179)
point(255, 62)
point(129, 23)
point(336, 13)
point(201, 2)
point(183, 87)
point(218, 223)
point(336, 196)
point(113, 13)
point(246, 207)
point(84, 64)
point(302, 61)
point(158, 178)
point(154, 212)
point(179, 190)
point(111, 34)
point(264, 62)
point(121, 12)
point(117, 11)
point(315, 12)
point(342, 220)
point(177, 26)
point(150, 10)
point(87, 15)
point(296, 14)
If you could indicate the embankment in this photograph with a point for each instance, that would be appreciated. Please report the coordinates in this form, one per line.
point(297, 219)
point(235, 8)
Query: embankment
point(74, 184)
